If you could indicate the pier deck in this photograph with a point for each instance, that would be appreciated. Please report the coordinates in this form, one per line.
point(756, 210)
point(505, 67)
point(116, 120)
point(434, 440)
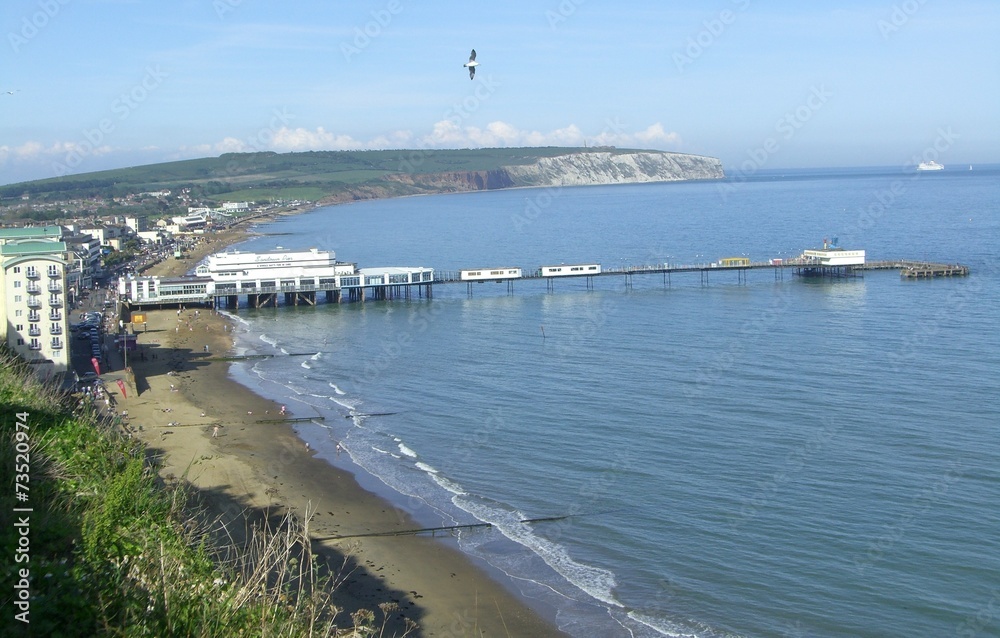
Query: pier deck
point(907, 267)
point(390, 283)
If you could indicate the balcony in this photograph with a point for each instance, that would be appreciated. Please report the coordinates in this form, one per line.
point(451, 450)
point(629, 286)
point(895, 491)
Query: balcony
point(34, 346)
point(34, 332)
point(54, 272)
point(55, 329)
point(34, 317)
point(55, 302)
point(55, 286)
point(34, 302)
point(32, 274)
point(33, 289)
point(55, 316)
point(57, 344)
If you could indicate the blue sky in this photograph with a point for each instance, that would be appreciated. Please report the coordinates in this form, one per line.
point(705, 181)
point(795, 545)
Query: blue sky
point(108, 83)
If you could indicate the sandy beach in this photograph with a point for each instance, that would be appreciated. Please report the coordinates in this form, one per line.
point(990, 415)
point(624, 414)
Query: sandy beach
point(233, 448)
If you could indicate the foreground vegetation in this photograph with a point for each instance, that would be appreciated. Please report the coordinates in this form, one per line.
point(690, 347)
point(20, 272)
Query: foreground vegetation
point(113, 552)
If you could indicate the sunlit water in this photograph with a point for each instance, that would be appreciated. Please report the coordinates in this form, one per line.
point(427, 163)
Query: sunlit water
point(776, 457)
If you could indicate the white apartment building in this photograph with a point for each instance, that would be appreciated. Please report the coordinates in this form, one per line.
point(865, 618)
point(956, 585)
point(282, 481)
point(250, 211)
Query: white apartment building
point(34, 314)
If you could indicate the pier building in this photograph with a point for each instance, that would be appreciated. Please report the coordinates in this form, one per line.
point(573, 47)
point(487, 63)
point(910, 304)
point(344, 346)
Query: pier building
point(834, 257)
point(489, 274)
point(572, 270)
point(296, 276)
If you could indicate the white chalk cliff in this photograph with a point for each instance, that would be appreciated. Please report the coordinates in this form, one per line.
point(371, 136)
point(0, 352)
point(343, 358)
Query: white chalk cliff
point(610, 167)
point(578, 168)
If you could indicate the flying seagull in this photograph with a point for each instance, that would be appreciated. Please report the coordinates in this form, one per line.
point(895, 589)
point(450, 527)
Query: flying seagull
point(12, 92)
point(472, 64)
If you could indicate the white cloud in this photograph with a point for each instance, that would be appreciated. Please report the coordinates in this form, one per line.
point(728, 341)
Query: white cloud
point(301, 139)
point(32, 151)
point(449, 134)
point(655, 134)
point(35, 157)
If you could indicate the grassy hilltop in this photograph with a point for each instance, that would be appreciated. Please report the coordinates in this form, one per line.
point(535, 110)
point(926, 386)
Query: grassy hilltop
point(312, 176)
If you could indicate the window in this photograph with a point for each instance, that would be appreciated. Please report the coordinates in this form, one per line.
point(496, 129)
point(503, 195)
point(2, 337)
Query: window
point(17, 298)
point(17, 270)
point(17, 283)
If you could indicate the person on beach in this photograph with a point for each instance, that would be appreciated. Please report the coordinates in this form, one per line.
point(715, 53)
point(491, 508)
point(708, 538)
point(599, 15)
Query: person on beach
point(215, 432)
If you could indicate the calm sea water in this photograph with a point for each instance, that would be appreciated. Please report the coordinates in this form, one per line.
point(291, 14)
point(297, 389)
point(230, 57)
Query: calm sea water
point(775, 457)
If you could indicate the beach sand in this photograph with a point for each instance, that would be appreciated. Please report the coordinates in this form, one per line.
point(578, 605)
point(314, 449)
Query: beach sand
point(249, 467)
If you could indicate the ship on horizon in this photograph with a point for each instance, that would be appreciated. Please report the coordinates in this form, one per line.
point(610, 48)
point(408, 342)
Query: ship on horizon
point(929, 166)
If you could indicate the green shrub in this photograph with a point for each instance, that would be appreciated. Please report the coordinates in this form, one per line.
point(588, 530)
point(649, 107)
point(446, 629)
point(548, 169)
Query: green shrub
point(115, 552)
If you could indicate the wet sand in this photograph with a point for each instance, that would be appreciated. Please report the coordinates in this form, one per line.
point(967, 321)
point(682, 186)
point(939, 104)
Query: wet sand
point(222, 438)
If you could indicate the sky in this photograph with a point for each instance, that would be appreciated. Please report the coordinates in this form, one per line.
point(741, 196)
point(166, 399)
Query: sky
point(88, 85)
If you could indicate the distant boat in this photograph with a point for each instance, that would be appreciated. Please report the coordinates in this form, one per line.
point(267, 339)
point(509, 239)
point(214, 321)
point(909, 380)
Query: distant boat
point(929, 166)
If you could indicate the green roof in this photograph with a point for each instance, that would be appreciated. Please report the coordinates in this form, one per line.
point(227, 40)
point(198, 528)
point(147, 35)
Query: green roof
point(31, 232)
point(33, 248)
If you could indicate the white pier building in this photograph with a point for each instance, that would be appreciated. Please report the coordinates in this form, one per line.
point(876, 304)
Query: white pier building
point(262, 276)
point(834, 257)
point(238, 272)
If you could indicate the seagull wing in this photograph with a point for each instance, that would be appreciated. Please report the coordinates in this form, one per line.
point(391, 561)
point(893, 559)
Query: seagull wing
point(472, 58)
point(472, 72)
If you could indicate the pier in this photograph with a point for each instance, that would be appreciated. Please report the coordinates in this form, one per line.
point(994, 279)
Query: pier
point(798, 267)
point(298, 278)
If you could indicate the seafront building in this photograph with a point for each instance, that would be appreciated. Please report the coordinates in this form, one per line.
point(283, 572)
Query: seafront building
point(297, 275)
point(33, 290)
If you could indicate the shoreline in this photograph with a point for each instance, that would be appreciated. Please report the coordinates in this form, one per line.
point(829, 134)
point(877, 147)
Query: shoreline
point(266, 468)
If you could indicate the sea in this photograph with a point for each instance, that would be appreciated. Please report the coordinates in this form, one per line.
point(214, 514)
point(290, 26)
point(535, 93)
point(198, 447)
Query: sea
point(693, 455)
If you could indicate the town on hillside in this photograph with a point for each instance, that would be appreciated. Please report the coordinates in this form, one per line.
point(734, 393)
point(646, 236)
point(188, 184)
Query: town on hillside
point(55, 254)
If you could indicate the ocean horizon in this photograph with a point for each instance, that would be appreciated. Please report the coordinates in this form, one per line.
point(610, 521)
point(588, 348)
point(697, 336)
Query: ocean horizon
point(768, 456)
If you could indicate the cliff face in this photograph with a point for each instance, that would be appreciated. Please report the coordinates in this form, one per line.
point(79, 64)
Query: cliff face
point(573, 169)
point(615, 168)
point(457, 180)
